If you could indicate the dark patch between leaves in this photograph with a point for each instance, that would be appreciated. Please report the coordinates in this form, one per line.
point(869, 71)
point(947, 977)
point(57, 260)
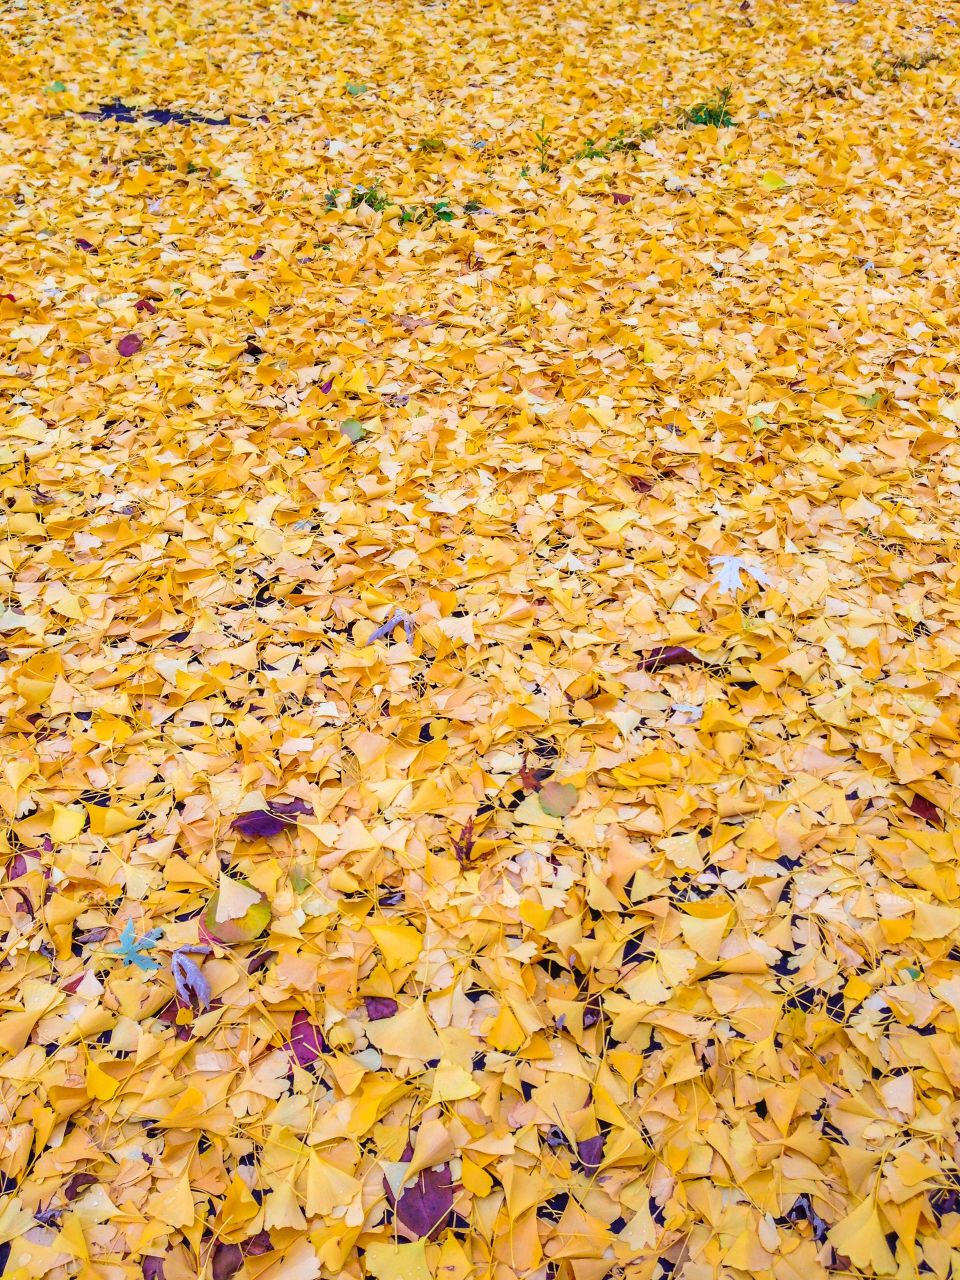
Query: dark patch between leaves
point(122, 114)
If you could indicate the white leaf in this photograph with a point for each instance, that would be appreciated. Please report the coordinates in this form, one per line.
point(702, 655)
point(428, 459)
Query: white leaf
point(729, 569)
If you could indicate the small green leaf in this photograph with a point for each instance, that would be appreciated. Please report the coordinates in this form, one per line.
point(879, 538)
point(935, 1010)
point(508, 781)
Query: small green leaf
point(558, 798)
point(57, 87)
point(773, 181)
point(758, 423)
point(355, 90)
point(871, 401)
point(353, 429)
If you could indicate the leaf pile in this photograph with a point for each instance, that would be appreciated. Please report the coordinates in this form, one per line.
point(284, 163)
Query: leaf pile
point(480, 644)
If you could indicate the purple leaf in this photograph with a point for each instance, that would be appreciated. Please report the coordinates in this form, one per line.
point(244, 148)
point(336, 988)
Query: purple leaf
point(144, 304)
point(152, 1267)
point(192, 987)
point(425, 1206)
point(257, 255)
point(306, 1042)
point(130, 344)
point(86, 245)
point(291, 808)
point(927, 810)
point(386, 629)
point(619, 198)
point(326, 387)
point(16, 867)
point(380, 1007)
point(258, 824)
point(78, 1184)
point(590, 1152)
point(227, 1261)
point(669, 655)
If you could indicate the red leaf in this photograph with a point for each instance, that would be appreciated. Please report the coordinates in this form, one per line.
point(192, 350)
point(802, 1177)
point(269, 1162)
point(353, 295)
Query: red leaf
point(927, 810)
point(306, 1042)
point(380, 1007)
point(130, 344)
point(532, 779)
point(669, 655)
point(144, 304)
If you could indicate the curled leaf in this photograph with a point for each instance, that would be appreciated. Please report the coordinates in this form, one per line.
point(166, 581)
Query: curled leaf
point(192, 987)
point(386, 629)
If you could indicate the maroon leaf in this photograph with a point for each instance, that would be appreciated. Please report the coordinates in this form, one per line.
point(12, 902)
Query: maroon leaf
point(620, 198)
point(152, 1267)
point(306, 1042)
point(669, 655)
point(130, 344)
point(380, 1007)
point(9, 297)
point(144, 304)
point(257, 1245)
point(463, 847)
point(78, 1184)
point(227, 1261)
point(258, 824)
point(425, 1206)
point(927, 810)
point(590, 1152)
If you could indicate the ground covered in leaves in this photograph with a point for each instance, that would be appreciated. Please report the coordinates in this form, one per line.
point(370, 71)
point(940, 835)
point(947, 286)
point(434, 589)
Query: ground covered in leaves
point(479, 640)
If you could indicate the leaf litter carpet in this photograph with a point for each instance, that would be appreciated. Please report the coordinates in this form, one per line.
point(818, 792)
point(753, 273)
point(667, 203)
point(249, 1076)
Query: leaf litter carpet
point(479, 641)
